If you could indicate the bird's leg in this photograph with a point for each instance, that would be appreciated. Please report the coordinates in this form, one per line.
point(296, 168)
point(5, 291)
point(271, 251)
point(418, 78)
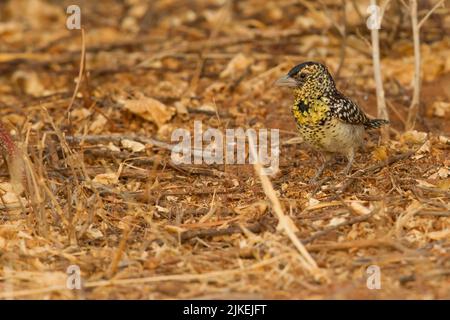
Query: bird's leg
point(350, 158)
point(318, 173)
point(327, 159)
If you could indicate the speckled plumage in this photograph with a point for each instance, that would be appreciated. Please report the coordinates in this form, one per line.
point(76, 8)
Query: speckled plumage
point(326, 119)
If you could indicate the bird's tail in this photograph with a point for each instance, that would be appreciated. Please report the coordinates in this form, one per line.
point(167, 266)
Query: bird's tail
point(375, 123)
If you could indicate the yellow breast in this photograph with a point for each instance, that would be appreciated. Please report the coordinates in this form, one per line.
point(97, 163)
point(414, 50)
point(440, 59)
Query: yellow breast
point(317, 110)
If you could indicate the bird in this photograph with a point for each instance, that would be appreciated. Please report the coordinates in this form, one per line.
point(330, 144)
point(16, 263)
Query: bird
point(326, 119)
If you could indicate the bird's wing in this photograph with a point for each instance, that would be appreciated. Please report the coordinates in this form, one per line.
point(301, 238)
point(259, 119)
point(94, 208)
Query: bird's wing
point(347, 111)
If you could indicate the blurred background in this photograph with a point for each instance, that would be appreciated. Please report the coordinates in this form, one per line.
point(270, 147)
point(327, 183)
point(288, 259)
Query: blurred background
point(176, 50)
point(89, 109)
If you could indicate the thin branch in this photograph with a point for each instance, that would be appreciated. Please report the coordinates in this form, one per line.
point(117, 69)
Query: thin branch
point(234, 229)
point(80, 73)
point(381, 103)
point(414, 107)
point(285, 222)
point(117, 138)
point(430, 13)
point(363, 243)
point(404, 4)
point(351, 221)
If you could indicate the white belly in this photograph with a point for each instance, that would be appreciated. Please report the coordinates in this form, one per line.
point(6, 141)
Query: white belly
point(335, 136)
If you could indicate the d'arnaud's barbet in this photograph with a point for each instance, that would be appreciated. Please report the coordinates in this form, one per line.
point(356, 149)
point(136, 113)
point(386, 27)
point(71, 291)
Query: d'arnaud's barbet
point(326, 119)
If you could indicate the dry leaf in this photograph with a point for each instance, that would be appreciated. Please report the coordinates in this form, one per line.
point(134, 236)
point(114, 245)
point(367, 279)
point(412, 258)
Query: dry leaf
point(98, 125)
point(29, 83)
point(24, 235)
point(312, 202)
point(79, 114)
point(165, 131)
point(9, 194)
point(236, 66)
point(255, 209)
point(380, 153)
point(132, 145)
point(359, 208)
point(438, 235)
point(414, 137)
point(94, 233)
point(425, 148)
point(162, 209)
point(444, 140)
point(111, 146)
point(423, 183)
point(181, 106)
point(444, 184)
point(150, 109)
point(441, 109)
point(174, 229)
point(106, 178)
point(207, 107)
point(336, 221)
point(441, 173)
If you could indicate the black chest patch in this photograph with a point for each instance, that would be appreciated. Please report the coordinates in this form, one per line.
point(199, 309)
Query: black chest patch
point(302, 106)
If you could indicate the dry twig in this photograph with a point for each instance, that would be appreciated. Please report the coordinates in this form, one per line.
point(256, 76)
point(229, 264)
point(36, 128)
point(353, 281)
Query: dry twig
point(381, 102)
point(284, 222)
point(80, 73)
point(201, 233)
point(415, 103)
point(349, 222)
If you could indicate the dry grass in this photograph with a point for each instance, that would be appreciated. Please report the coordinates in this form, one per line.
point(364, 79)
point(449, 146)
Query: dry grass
point(103, 193)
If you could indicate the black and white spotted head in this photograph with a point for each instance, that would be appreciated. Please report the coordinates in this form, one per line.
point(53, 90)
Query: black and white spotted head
point(309, 79)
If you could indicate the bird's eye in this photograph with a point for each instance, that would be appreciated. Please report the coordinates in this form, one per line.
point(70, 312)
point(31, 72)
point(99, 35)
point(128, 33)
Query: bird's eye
point(302, 75)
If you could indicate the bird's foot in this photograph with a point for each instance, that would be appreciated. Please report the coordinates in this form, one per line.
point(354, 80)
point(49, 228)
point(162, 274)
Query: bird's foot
point(348, 168)
point(319, 172)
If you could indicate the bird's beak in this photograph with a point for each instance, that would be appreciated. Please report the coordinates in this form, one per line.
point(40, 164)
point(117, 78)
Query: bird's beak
point(286, 81)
